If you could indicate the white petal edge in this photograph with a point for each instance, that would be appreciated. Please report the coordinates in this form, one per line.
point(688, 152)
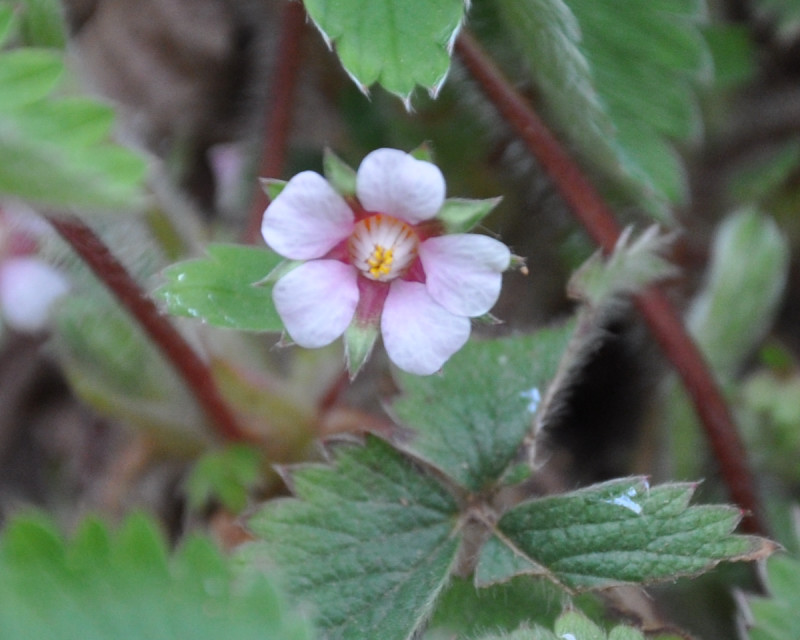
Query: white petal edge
point(395, 183)
point(463, 272)
point(307, 219)
point(29, 287)
point(419, 334)
point(316, 301)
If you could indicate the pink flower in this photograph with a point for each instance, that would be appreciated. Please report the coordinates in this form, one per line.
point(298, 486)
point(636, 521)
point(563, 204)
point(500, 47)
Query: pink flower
point(380, 258)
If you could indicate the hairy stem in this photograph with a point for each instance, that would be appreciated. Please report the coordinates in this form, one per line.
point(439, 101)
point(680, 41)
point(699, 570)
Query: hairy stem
point(196, 375)
point(279, 116)
point(597, 218)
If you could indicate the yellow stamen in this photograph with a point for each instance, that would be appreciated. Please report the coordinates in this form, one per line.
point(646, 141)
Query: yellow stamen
point(381, 261)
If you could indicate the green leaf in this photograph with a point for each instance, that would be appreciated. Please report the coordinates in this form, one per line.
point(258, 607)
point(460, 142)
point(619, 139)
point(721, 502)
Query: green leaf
point(225, 289)
point(26, 76)
point(619, 115)
point(42, 23)
point(578, 626)
point(369, 542)
point(775, 617)
point(114, 367)
point(54, 151)
point(617, 532)
point(745, 284)
point(397, 43)
point(464, 610)
point(125, 585)
point(633, 265)
point(459, 215)
point(224, 475)
point(470, 421)
point(7, 21)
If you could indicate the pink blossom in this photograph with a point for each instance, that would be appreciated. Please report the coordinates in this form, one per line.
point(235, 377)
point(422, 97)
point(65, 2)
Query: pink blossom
point(380, 259)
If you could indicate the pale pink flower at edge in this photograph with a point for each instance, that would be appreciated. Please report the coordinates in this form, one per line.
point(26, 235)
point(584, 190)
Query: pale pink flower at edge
point(381, 261)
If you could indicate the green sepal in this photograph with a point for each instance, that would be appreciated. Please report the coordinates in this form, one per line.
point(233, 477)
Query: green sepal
point(423, 152)
point(272, 187)
point(340, 174)
point(459, 215)
point(359, 339)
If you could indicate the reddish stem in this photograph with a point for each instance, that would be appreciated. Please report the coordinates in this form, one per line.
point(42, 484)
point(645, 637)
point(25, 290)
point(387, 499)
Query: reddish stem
point(598, 219)
point(279, 117)
point(85, 242)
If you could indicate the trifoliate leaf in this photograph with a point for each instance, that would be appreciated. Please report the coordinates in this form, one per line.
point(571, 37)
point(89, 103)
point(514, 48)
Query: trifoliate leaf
point(459, 215)
point(775, 617)
point(617, 532)
point(226, 289)
point(397, 43)
point(54, 151)
point(368, 542)
point(470, 421)
point(633, 265)
point(106, 585)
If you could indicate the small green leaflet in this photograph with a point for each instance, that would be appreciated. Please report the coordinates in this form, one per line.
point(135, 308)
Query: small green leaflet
point(104, 585)
point(368, 542)
point(397, 43)
point(775, 617)
point(613, 533)
point(225, 289)
point(471, 420)
point(54, 151)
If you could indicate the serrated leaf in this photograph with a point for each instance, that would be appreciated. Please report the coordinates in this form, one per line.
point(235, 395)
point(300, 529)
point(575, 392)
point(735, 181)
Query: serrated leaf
point(619, 532)
point(459, 215)
point(618, 114)
point(369, 542)
point(225, 289)
point(125, 585)
point(537, 633)
point(397, 43)
point(775, 617)
point(632, 265)
point(471, 420)
point(53, 152)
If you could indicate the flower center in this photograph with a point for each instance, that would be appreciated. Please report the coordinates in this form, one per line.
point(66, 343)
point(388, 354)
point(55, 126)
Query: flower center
point(382, 247)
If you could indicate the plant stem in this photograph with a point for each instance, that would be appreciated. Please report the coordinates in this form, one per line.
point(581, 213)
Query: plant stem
point(599, 221)
point(196, 375)
point(279, 116)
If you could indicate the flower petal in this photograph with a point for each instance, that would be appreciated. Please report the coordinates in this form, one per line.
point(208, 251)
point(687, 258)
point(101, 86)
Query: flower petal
point(316, 301)
point(307, 219)
point(463, 272)
point(418, 333)
point(28, 289)
point(395, 183)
